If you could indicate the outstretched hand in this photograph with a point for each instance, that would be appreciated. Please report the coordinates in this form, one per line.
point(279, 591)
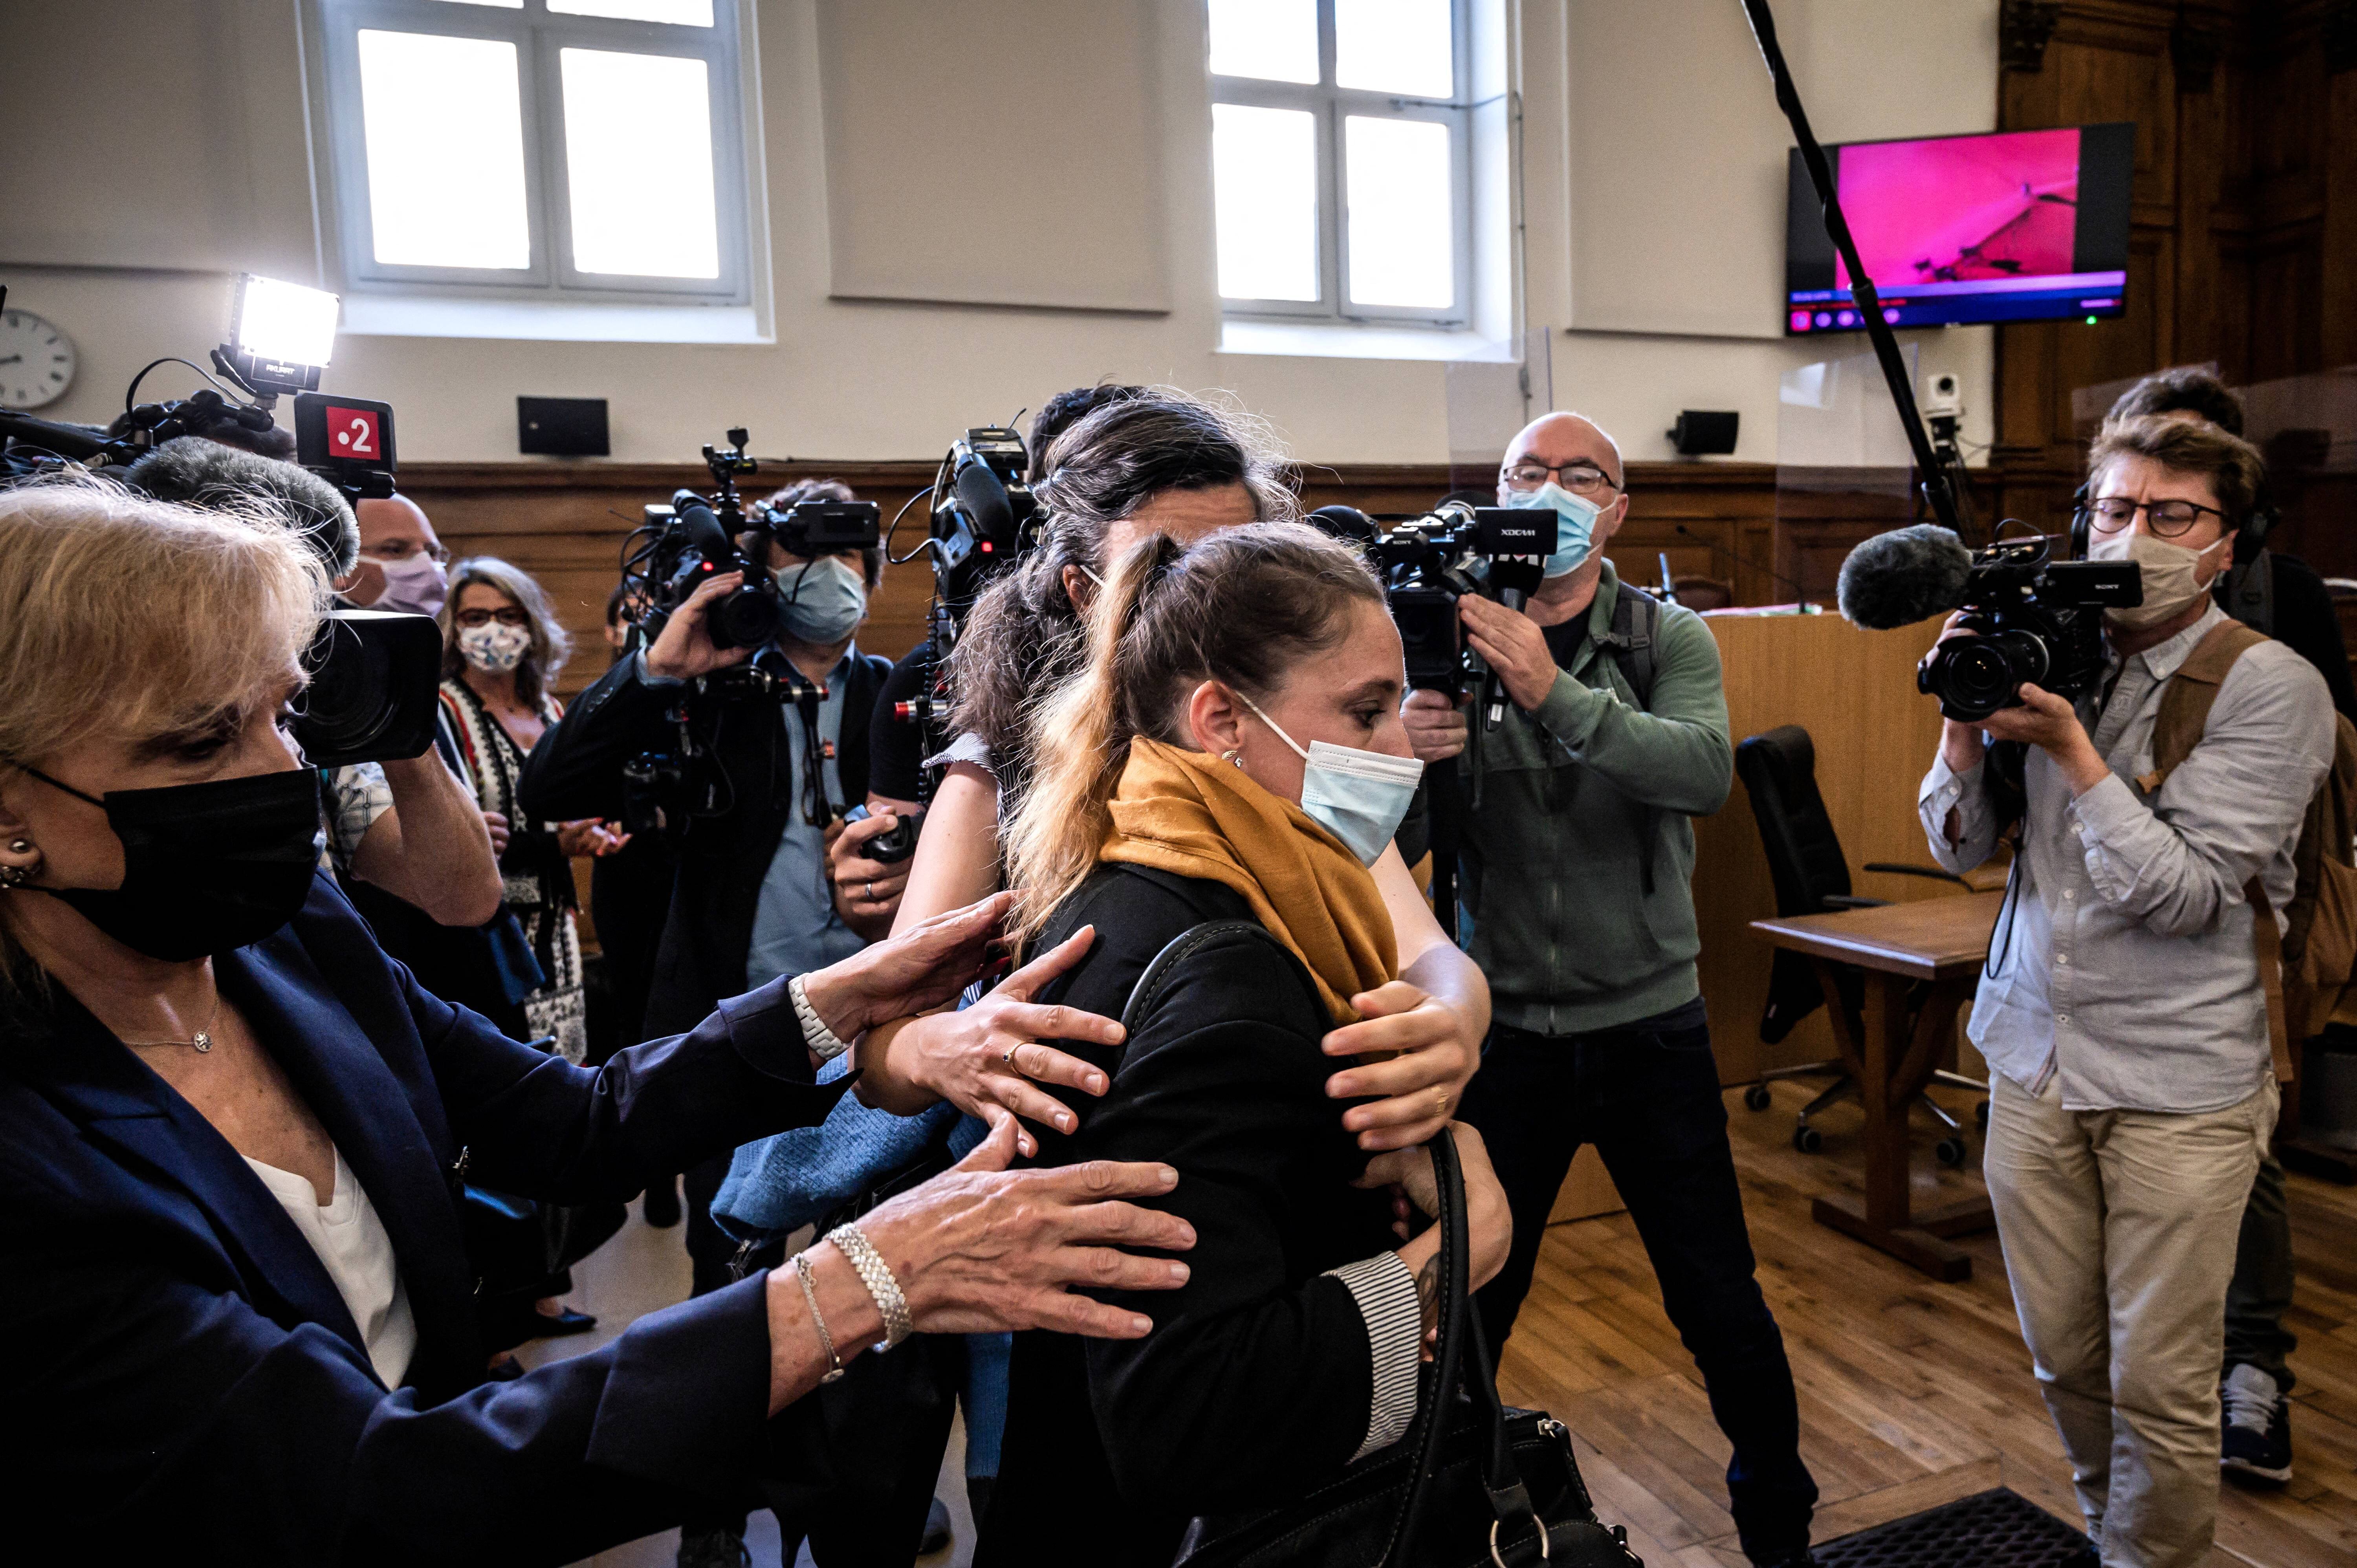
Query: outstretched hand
point(989, 1059)
point(921, 967)
point(983, 1250)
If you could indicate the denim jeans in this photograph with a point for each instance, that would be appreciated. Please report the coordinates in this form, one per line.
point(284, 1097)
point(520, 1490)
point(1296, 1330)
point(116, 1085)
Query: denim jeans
point(2260, 1293)
point(1647, 1096)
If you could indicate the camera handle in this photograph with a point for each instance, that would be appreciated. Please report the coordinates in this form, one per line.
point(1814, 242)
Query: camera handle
point(1937, 490)
point(1493, 694)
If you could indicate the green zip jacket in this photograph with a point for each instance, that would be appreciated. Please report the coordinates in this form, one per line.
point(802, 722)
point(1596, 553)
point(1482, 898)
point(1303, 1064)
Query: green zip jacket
point(1562, 801)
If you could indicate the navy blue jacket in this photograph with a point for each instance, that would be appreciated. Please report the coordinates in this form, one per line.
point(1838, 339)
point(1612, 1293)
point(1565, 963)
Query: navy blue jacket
point(182, 1377)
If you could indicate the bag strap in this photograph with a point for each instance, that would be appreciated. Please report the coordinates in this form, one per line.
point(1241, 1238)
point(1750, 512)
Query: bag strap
point(2177, 729)
point(2186, 701)
point(1448, 1177)
point(1635, 644)
point(2268, 942)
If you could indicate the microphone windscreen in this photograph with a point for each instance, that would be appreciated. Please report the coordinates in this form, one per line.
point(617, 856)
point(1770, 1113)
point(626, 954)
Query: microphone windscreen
point(983, 500)
point(211, 477)
point(1908, 574)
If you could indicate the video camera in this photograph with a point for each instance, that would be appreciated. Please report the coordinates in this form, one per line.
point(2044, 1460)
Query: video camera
point(2038, 620)
point(683, 545)
point(982, 510)
point(1431, 562)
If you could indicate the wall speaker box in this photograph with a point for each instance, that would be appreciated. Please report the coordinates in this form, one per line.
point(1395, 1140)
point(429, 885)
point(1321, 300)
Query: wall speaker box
point(561, 426)
point(1702, 433)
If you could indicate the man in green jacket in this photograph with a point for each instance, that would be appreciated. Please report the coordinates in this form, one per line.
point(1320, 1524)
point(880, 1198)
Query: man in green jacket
point(1577, 853)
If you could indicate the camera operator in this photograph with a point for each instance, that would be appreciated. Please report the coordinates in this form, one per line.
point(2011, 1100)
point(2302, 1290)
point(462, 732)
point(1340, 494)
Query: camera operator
point(2126, 1013)
point(752, 899)
point(2282, 597)
point(1616, 736)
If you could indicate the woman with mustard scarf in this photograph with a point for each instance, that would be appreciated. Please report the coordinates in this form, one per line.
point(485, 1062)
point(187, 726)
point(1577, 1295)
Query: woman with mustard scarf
point(1232, 752)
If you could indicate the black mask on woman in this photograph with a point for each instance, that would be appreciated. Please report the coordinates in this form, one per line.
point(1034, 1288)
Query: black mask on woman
point(207, 868)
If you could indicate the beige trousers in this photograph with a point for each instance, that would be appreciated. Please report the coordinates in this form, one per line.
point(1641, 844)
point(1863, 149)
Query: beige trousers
point(2119, 1230)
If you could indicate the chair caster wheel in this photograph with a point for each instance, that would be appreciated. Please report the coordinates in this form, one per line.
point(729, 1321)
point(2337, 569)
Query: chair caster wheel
point(1951, 1151)
point(1756, 1097)
point(1808, 1140)
point(1980, 1115)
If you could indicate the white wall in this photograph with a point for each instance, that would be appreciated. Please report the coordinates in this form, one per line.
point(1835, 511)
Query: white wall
point(1651, 174)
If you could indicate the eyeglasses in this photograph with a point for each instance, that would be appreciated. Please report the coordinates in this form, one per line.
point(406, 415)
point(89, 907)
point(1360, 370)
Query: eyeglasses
point(1581, 478)
point(478, 615)
point(403, 549)
point(2169, 519)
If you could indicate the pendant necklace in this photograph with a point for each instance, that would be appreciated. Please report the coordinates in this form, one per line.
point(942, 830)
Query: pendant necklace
point(204, 1039)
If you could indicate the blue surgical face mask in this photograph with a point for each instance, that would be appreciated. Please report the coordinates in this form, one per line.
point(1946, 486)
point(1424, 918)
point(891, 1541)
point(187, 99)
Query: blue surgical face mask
point(823, 601)
point(1575, 533)
point(1357, 796)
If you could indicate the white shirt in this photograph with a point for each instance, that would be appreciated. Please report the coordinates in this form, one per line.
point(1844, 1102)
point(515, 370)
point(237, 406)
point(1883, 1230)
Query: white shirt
point(357, 1255)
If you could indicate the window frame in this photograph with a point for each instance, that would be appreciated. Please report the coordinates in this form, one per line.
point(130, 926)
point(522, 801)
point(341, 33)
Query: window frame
point(1333, 107)
point(539, 36)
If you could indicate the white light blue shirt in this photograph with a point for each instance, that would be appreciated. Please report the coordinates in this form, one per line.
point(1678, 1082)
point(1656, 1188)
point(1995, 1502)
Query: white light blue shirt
point(2129, 969)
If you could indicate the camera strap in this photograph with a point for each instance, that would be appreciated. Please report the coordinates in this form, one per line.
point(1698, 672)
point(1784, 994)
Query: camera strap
point(1633, 644)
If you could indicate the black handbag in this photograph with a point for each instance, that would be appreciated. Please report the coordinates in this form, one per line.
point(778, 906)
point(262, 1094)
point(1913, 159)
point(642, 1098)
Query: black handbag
point(1474, 1483)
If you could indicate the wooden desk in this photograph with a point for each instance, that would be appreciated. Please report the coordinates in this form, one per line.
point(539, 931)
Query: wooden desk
point(1942, 941)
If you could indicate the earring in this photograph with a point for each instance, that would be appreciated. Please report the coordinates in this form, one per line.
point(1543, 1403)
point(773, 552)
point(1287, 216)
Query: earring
point(15, 877)
point(1231, 756)
point(19, 846)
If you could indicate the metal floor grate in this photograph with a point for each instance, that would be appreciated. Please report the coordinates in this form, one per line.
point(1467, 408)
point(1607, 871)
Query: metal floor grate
point(1996, 1529)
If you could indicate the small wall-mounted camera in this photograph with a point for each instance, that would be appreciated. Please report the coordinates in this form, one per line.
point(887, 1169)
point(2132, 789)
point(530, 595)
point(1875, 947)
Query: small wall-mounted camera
point(1944, 395)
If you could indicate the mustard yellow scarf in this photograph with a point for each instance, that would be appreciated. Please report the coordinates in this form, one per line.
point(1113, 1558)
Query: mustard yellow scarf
point(1190, 813)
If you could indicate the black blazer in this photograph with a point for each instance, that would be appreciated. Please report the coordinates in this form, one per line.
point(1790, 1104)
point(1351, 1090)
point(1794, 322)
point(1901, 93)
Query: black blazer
point(577, 771)
point(184, 1379)
point(1256, 1382)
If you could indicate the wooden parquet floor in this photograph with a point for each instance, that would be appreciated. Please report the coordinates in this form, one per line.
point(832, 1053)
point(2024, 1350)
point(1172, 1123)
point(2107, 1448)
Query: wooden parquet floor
point(1912, 1392)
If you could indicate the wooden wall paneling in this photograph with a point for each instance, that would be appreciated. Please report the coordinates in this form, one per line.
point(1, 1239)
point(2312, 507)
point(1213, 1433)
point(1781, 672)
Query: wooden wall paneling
point(1854, 692)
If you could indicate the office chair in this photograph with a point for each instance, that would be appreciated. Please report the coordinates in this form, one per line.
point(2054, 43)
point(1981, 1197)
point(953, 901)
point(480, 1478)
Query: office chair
point(1779, 769)
point(1700, 593)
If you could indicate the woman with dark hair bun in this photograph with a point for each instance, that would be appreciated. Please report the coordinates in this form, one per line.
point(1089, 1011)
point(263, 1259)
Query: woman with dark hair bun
point(1156, 463)
point(1229, 751)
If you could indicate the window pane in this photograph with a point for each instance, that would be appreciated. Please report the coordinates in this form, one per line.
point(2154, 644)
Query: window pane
point(443, 124)
point(497, 5)
point(1403, 224)
point(1275, 40)
point(1396, 46)
point(1265, 177)
point(638, 157)
point(684, 12)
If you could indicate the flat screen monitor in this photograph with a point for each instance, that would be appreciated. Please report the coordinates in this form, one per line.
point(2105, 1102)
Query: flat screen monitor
point(2014, 226)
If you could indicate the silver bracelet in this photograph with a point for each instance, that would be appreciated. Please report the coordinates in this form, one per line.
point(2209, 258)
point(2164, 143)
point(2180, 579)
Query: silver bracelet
point(821, 1039)
point(833, 1361)
point(877, 1276)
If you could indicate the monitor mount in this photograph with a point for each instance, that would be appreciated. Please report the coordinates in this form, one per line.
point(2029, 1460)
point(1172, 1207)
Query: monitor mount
point(1948, 503)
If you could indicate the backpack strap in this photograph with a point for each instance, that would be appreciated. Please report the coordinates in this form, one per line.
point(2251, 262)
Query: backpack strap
point(2190, 693)
point(1155, 979)
point(1634, 643)
point(2185, 707)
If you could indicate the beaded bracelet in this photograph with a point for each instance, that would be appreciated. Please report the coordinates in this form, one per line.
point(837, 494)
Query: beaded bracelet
point(877, 1276)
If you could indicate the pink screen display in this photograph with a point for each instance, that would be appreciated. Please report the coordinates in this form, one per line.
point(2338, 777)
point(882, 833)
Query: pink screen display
point(1950, 211)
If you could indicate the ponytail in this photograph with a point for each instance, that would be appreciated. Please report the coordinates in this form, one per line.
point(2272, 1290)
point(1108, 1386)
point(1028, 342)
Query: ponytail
point(1243, 606)
point(1080, 744)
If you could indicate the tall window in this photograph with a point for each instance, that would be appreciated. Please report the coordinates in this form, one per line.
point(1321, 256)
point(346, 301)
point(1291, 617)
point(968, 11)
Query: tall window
point(1341, 158)
point(588, 149)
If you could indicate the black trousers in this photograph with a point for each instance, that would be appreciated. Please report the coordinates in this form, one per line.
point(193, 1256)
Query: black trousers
point(1647, 1096)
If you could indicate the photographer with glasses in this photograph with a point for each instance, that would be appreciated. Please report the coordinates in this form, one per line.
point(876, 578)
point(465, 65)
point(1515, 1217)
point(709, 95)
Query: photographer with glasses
point(1577, 853)
point(2124, 1016)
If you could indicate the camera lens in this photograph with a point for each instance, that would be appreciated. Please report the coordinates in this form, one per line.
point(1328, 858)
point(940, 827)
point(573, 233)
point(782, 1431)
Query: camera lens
point(1975, 676)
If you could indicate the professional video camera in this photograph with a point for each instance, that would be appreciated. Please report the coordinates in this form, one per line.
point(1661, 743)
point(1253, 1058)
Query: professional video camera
point(982, 515)
point(682, 545)
point(2038, 620)
point(1431, 562)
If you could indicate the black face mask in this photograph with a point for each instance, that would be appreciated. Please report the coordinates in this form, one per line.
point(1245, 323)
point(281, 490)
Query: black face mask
point(207, 868)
